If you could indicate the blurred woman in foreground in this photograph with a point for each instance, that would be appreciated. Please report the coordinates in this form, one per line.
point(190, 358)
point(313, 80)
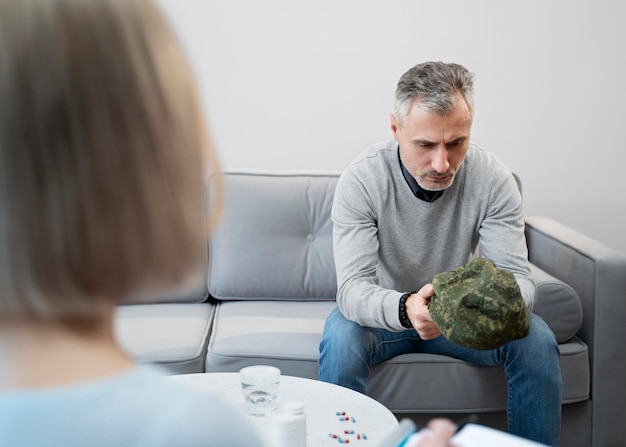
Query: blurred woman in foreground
point(102, 153)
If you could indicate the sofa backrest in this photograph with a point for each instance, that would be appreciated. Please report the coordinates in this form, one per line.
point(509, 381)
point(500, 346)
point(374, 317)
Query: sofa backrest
point(274, 237)
point(274, 242)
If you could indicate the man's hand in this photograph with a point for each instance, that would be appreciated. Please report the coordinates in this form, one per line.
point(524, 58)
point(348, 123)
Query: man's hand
point(417, 311)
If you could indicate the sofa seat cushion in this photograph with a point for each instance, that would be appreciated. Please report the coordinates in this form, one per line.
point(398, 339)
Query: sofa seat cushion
point(285, 334)
point(558, 304)
point(173, 335)
point(442, 384)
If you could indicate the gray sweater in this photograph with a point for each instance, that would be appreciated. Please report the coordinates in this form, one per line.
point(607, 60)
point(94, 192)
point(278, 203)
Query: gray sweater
point(388, 242)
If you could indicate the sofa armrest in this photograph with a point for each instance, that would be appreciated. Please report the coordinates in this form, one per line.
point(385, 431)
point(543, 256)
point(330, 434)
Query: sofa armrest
point(598, 274)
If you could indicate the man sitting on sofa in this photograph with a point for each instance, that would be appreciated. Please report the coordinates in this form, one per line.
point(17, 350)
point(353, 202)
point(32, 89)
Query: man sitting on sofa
point(410, 208)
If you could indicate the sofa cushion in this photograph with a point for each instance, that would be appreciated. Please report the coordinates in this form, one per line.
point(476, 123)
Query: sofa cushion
point(558, 304)
point(444, 384)
point(174, 336)
point(285, 334)
point(274, 238)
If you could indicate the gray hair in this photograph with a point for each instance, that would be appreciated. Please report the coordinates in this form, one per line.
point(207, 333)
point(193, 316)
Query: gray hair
point(436, 86)
point(102, 154)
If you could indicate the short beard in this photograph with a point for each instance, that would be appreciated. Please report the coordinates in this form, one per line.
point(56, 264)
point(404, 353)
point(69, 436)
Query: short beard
point(436, 187)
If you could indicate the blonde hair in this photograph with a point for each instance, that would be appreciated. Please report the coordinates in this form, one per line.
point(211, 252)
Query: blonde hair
point(102, 151)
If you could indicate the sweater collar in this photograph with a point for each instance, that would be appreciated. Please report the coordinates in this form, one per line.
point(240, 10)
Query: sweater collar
point(418, 191)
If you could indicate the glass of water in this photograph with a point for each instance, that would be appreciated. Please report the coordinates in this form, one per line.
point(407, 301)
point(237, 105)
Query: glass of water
point(259, 384)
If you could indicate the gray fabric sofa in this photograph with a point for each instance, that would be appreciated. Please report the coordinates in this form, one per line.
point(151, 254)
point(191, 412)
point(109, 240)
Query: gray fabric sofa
point(270, 283)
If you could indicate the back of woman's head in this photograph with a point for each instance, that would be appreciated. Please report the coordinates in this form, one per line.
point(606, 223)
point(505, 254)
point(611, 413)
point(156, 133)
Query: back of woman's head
point(102, 151)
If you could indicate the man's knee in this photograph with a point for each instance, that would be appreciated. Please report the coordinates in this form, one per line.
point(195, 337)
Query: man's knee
point(541, 335)
point(340, 334)
point(343, 357)
point(539, 346)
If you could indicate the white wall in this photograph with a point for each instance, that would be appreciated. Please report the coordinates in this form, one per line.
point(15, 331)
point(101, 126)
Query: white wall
point(305, 85)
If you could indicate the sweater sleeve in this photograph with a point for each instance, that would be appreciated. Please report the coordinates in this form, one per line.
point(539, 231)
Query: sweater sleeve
point(355, 245)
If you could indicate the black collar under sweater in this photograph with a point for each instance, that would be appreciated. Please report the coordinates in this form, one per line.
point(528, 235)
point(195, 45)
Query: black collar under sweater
point(418, 191)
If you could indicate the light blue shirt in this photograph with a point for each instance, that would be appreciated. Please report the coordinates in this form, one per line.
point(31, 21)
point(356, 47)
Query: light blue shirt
point(139, 408)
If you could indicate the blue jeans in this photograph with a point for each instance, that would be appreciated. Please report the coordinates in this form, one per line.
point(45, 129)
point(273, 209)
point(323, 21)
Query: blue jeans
point(531, 364)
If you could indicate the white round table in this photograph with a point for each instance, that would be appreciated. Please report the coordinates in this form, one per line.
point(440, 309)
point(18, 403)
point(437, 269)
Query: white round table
point(365, 422)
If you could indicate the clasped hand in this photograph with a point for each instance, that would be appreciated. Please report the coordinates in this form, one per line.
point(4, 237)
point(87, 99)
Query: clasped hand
point(417, 311)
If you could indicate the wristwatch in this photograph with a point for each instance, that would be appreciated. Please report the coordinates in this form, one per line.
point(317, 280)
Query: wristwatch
point(404, 317)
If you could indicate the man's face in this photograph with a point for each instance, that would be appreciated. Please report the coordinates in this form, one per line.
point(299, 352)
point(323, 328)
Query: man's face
point(432, 146)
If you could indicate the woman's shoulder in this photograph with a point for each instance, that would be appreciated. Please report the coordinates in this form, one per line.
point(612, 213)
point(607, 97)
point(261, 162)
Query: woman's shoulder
point(138, 407)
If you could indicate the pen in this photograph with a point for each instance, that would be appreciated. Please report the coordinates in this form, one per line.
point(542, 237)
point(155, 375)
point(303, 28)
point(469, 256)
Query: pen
point(472, 418)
